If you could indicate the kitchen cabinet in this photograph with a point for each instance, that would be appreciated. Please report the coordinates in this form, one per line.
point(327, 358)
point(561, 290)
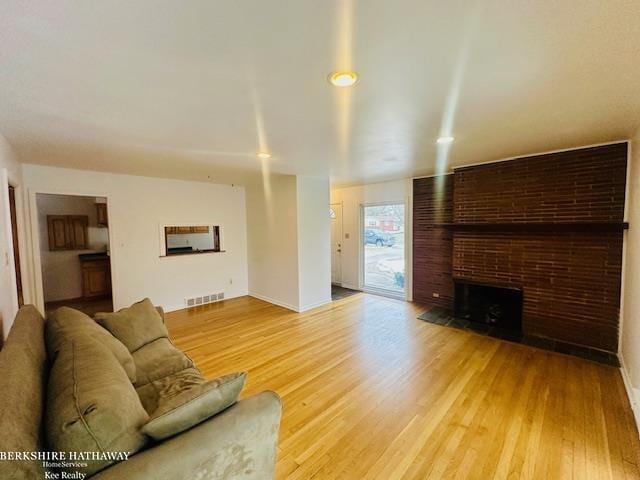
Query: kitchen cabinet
point(101, 214)
point(96, 278)
point(68, 232)
point(186, 230)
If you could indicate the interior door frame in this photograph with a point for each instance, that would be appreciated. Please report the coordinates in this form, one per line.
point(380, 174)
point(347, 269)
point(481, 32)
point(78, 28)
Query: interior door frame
point(38, 286)
point(340, 206)
point(406, 295)
point(7, 180)
point(15, 243)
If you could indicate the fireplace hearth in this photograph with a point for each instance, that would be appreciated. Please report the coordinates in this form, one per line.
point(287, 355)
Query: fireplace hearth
point(487, 304)
point(496, 312)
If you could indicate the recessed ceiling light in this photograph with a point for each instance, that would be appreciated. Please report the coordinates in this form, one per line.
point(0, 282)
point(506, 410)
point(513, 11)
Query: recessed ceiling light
point(343, 79)
point(447, 139)
point(264, 155)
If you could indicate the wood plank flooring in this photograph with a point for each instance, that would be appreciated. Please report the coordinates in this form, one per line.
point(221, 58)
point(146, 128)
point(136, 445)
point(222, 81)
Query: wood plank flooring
point(90, 306)
point(370, 392)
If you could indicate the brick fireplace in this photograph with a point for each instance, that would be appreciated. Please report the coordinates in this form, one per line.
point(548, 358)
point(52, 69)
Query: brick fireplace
point(499, 307)
point(549, 225)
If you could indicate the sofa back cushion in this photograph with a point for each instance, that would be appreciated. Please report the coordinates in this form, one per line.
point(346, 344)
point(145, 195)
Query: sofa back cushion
point(91, 404)
point(157, 360)
point(136, 325)
point(23, 371)
point(66, 323)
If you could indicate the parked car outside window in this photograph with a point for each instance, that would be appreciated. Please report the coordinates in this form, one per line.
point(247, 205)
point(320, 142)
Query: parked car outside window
point(376, 237)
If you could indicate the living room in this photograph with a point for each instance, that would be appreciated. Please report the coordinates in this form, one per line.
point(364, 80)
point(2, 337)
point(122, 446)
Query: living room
point(255, 240)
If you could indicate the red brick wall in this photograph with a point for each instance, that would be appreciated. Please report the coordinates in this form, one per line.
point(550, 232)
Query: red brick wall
point(570, 282)
point(570, 279)
point(579, 185)
point(432, 245)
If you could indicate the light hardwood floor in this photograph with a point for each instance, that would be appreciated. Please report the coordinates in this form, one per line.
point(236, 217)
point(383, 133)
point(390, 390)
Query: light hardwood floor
point(371, 392)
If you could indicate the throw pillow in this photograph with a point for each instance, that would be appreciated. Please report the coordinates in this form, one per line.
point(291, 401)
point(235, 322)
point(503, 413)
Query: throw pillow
point(134, 326)
point(181, 411)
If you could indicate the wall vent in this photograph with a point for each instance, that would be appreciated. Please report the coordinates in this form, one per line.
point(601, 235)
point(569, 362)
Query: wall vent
point(204, 299)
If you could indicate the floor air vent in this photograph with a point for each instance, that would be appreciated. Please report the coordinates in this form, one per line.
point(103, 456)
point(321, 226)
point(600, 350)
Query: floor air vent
point(204, 299)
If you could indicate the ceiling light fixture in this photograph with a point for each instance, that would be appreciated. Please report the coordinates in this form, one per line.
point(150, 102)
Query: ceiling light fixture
point(444, 140)
point(264, 155)
point(343, 79)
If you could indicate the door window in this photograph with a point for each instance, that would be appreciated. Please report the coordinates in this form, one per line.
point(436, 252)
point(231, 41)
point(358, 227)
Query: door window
point(383, 248)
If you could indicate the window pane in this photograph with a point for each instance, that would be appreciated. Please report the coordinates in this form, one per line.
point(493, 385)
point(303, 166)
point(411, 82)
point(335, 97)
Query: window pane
point(181, 240)
point(383, 238)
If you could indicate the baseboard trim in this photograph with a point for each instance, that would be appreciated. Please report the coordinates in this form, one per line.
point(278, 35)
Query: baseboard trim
point(264, 298)
point(314, 305)
point(176, 308)
point(632, 393)
point(385, 293)
point(311, 306)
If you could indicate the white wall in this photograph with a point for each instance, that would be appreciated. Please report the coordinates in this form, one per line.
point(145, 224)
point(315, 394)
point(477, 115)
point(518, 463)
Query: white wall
point(289, 241)
point(352, 198)
point(314, 241)
point(272, 231)
point(10, 173)
point(137, 207)
point(61, 270)
point(630, 325)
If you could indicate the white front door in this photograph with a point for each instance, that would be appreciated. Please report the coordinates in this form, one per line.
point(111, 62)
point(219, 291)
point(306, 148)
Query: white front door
point(336, 243)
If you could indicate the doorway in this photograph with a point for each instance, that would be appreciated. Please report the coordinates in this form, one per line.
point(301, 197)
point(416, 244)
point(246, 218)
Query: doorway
point(74, 252)
point(383, 248)
point(16, 250)
point(335, 213)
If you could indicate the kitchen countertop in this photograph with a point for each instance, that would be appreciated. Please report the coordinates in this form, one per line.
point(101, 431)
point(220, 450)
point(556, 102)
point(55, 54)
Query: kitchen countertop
point(84, 257)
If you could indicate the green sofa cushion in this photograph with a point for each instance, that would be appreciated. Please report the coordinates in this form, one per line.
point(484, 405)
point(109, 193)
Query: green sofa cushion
point(91, 404)
point(23, 379)
point(159, 359)
point(65, 324)
point(180, 410)
point(136, 325)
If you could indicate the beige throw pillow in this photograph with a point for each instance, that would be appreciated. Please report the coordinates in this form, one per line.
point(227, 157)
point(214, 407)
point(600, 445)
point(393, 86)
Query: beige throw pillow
point(193, 405)
point(134, 326)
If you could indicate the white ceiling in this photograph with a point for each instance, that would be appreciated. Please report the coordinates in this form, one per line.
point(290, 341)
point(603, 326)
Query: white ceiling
point(192, 89)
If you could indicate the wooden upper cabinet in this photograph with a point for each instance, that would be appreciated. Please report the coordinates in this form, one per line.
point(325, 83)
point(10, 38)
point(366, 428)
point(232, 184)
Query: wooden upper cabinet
point(185, 230)
point(101, 212)
point(78, 231)
point(58, 236)
point(68, 232)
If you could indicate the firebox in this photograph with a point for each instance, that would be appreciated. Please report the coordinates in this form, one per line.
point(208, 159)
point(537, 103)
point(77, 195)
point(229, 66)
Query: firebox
point(494, 306)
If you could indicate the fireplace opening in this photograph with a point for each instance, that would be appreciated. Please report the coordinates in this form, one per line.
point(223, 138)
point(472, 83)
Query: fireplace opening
point(490, 305)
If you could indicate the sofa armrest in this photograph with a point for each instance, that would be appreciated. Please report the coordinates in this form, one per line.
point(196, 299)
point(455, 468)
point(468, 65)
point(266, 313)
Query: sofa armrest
point(239, 443)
